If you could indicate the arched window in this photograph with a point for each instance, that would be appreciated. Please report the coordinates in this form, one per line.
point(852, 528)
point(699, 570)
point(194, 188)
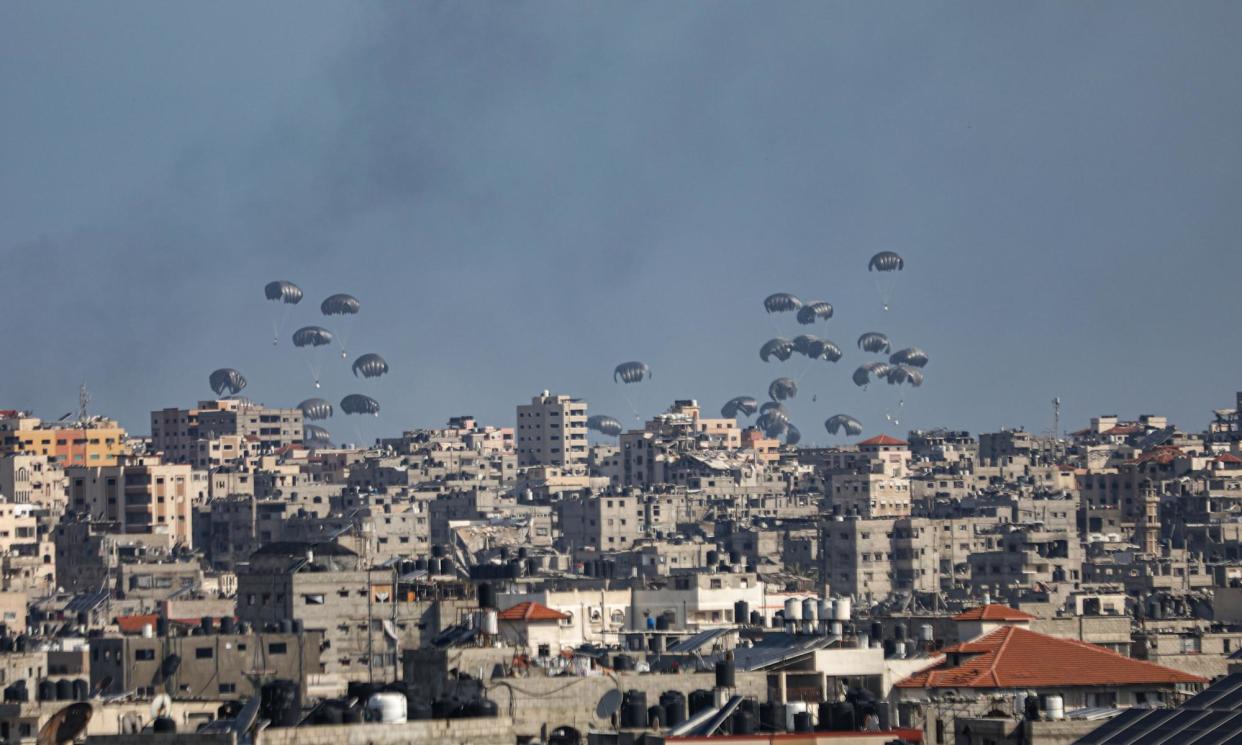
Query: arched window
point(23, 474)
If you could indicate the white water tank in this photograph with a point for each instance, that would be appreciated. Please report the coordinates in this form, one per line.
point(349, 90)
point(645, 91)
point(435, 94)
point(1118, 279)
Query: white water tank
point(810, 609)
point(793, 610)
point(792, 709)
point(148, 631)
point(841, 609)
point(387, 707)
point(927, 633)
point(900, 651)
point(1054, 708)
point(489, 622)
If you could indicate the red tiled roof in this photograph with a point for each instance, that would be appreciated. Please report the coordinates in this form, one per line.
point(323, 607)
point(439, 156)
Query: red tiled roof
point(883, 440)
point(1228, 458)
point(1014, 657)
point(531, 611)
point(1122, 429)
point(134, 624)
point(993, 612)
point(1164, 454)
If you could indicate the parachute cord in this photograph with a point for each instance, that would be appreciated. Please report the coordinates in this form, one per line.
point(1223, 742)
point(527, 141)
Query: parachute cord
point(630, 403)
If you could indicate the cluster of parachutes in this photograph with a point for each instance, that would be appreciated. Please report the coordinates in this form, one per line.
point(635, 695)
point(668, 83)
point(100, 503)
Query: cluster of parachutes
point(311, 340)
point(903, 367)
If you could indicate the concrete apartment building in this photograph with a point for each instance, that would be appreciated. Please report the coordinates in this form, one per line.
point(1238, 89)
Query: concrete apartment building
point(140, 495)
point(212, 666)
point(96, 441)
point(179, 433)
point(33, 479)
point(606, 522)
point(879, 484)
point(873, 558)
point(27, 562)
point(552, 431)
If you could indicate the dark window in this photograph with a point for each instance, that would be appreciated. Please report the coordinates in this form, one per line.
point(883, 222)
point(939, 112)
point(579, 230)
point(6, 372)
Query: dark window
point(141, 655)
point(277, 648)
point(205, 653)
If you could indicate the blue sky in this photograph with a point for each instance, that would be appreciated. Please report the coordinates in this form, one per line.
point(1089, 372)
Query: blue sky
point(523, 195)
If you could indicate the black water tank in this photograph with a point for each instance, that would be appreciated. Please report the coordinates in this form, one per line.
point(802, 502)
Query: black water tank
point(330, 712)
point(725, 674)
point(899, 632)
point(655, 717)
point(743, 722)
point(756, 618)
point(735, 557)
point(741, 611)
point(437, 551)
point(362, 690)
point(634, 709)
point(161, 626)
point(843, 718)
point(46, 690)
point(352, 715)
point(487, 595)
point(208, 624)
point(6, 644)
point(164, 725)
point(877, 631)
point(228, 625)
point(662, 622)
point(286, 626)
point(417, 708)
point(802, 722)
point(622, 662)
point(770, 719)
point(420, 564)
point(700, 700)
point(64, 689)
point(674, 705)
point(441, 708)
point(483, 707)
point(81, 689)
point(825, 717)
point(890, 647)
point(713, 558)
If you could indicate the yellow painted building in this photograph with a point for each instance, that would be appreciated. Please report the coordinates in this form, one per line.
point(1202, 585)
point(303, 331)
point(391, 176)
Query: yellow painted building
point(96, 442)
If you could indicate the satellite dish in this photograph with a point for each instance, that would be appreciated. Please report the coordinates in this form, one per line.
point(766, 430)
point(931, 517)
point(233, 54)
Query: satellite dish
point(161, 706)
point(66, 725)
point(609, 704)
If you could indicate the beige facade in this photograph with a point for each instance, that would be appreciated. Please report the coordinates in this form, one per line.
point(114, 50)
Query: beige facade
point(872, 558)
point(551, 431)
point(141, 495)
point(33, 479)
point(190, 435)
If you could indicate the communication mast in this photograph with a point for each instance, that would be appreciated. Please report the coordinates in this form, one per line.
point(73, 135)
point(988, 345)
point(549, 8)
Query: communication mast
point(84, 398)
point(1056, 417)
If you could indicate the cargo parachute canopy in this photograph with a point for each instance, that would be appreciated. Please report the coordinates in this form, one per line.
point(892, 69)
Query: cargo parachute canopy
point(315, 409)
point(631, 372)
point(816, 311)
point(744, 405)
point(781, 302)
point(314, 436)
point(605, 425)
point(227, 381)
point(910, 356)
point(874, 342)
point(843, 423)
point(886, 261)
point(340, 304)
point(780, 348)
point(312, 336)
point(792, 435)
point(284, 291)
point(370, 366)
point(356, 403)
point(782, 389)
point(899, 374)
point(868, 372)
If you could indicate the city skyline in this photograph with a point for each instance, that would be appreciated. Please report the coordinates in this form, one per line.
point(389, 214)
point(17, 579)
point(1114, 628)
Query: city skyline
point(1052, 249)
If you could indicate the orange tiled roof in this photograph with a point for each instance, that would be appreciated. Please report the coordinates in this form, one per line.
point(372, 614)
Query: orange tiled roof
point(993, 612)
point(531, 611)
point(1014, 657)
point(883, 440)
point(1228, 458)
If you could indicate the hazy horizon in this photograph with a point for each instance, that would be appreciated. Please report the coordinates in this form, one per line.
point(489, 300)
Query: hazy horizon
point(523, 195)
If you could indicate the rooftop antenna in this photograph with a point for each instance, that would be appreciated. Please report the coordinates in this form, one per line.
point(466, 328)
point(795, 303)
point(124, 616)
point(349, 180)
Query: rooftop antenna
point(1056, 417)
point(84, 398)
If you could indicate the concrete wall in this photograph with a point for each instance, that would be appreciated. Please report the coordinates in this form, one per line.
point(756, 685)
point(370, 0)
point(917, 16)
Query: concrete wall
point(482, 731)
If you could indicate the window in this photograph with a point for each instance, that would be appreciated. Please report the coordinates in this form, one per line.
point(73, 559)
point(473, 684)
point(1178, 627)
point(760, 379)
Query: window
point(277, 648)
point(228, 688)
point(143, 655)
point(204, 653)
